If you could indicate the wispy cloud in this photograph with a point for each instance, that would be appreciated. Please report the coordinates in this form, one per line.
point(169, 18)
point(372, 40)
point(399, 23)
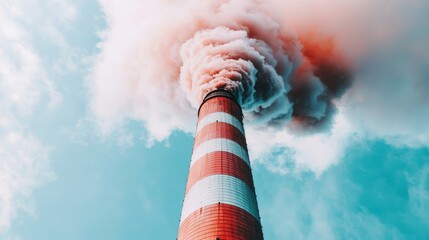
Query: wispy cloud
point(380, 193)
point(25, 88)
point(24, 166)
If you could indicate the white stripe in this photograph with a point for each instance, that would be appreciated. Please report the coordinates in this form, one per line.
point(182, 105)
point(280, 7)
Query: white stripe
point(219, 144)
point(220, 117)
point(220, 189)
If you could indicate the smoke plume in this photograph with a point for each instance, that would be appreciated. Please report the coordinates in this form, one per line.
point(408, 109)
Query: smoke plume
point(275, 74)
point(300, 73)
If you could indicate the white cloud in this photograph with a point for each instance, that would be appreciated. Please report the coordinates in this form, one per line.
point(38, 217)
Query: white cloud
point(379, 192)
point(284, 152)
point(22, 76)
point(322, 209)
point(65, 10)
point(25, 87)
point(24, 165)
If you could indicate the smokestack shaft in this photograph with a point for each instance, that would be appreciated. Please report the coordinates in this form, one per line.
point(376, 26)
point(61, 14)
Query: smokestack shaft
point(220, 200)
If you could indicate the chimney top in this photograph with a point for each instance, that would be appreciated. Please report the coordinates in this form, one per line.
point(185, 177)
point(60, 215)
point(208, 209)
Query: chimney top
point(218, 93)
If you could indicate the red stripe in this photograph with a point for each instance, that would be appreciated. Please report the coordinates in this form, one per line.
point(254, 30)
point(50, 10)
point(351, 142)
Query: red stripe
point(220, 130)
point(222, 221)
point(220, 104)
point(220, 163)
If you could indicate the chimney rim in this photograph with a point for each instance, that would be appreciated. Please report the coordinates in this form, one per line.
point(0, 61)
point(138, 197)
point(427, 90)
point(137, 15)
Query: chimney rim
point(218, 93)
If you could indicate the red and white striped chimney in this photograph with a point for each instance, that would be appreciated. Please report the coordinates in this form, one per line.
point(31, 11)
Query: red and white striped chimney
point(220, 200)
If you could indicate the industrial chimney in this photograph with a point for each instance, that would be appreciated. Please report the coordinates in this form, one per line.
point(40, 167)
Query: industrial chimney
point(220, 200)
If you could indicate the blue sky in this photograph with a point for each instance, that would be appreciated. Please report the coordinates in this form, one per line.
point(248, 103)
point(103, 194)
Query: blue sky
point(61, 177)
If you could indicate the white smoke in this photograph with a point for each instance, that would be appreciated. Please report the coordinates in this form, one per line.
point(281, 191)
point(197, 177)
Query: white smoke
point(288, 62)
point(222, 58)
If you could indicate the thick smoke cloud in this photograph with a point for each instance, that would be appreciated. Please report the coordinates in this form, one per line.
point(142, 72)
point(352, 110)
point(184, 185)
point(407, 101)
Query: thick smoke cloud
point(275, 74)
point(222, 58)
point(303, 74)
